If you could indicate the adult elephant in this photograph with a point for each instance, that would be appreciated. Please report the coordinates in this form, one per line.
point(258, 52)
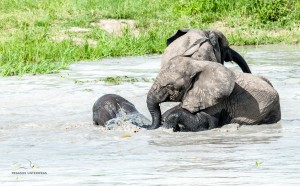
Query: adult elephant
point(207, 45)
point(211, 95)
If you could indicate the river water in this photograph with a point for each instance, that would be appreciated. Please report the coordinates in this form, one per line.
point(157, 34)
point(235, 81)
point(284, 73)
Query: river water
point(47, 136)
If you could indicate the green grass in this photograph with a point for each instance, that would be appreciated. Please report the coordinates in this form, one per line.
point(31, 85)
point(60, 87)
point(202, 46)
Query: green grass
point(258, 163)
point(27, 28)
point(119, 79)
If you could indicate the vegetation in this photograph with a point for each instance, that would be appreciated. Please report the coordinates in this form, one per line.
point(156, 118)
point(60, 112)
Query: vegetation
point(35, 35)
point(258, 163)
point(117, 80)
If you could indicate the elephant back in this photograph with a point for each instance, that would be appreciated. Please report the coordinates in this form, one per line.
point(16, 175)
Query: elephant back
point(188, 46)
point(255, 98)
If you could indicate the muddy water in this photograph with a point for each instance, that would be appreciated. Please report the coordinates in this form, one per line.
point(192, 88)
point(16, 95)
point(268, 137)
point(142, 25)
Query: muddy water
point(47, 136)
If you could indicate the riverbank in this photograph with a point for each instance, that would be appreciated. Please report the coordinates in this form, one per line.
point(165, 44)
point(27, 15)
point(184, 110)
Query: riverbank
point(39, 37)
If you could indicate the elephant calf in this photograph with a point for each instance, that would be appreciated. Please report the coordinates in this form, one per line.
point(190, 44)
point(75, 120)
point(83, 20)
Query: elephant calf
point(111, 107)
point(252, 100)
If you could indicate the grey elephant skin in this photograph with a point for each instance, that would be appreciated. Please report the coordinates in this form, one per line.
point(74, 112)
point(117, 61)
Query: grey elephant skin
point(187, 48)
point(110, 108)
point(212, 95)
point(208, 45)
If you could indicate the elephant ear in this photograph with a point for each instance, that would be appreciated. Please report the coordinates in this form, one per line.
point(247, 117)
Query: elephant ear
point(185, 46)
point(178, 34)
point(216, 42)
point(212, 82)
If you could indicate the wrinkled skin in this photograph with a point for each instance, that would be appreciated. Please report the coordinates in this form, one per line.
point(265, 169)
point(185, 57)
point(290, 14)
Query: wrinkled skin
point(252, 101)
point(211, 95)
point(202, 45)
point(110, 107)
point(183, 62)
point(182, 120)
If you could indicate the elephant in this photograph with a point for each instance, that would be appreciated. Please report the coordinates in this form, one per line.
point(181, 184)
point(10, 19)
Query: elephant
point(202, 45)
point(111, 107)
point(186, 46)
point(210, 95)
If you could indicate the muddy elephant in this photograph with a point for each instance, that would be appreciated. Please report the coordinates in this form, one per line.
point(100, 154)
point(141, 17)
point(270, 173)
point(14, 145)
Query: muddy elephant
point(202, 45)
point(210, 95)
point(111, 107)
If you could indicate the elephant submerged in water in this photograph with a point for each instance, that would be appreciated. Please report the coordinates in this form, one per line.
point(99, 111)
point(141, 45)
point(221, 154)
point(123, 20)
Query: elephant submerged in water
point(110, 108)
point(211, 95)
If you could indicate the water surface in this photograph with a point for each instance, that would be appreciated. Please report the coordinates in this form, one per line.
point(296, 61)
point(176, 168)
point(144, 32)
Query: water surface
point(47, 120)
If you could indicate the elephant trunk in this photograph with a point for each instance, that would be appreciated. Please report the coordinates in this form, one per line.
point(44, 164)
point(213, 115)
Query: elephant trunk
point(236, 57)
point(154, 109)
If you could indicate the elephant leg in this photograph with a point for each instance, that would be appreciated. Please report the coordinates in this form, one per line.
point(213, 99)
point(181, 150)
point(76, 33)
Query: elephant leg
point(212, 122)
point(191, 122)
point(170, 119)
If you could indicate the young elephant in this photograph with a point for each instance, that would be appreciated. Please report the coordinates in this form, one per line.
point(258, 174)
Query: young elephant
point(187, 51)
point(203, 86)
point(111, 107)
point(182, 120)
point(202, 45)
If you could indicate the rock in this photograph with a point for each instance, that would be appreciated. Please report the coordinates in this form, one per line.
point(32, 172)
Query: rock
point(117, 26)
point(78, 29)
point(76, 40)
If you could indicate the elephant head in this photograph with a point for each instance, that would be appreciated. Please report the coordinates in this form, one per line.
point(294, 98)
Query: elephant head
point(207, 45)
point(196, 84)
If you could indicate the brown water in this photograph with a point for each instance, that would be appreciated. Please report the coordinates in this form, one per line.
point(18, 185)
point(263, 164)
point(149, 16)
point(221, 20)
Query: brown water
point(47, 120)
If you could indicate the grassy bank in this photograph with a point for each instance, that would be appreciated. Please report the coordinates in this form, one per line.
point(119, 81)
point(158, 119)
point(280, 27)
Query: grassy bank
point(36, 36)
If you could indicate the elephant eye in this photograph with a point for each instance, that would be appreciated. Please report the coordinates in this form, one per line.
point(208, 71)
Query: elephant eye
point(171, 87)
